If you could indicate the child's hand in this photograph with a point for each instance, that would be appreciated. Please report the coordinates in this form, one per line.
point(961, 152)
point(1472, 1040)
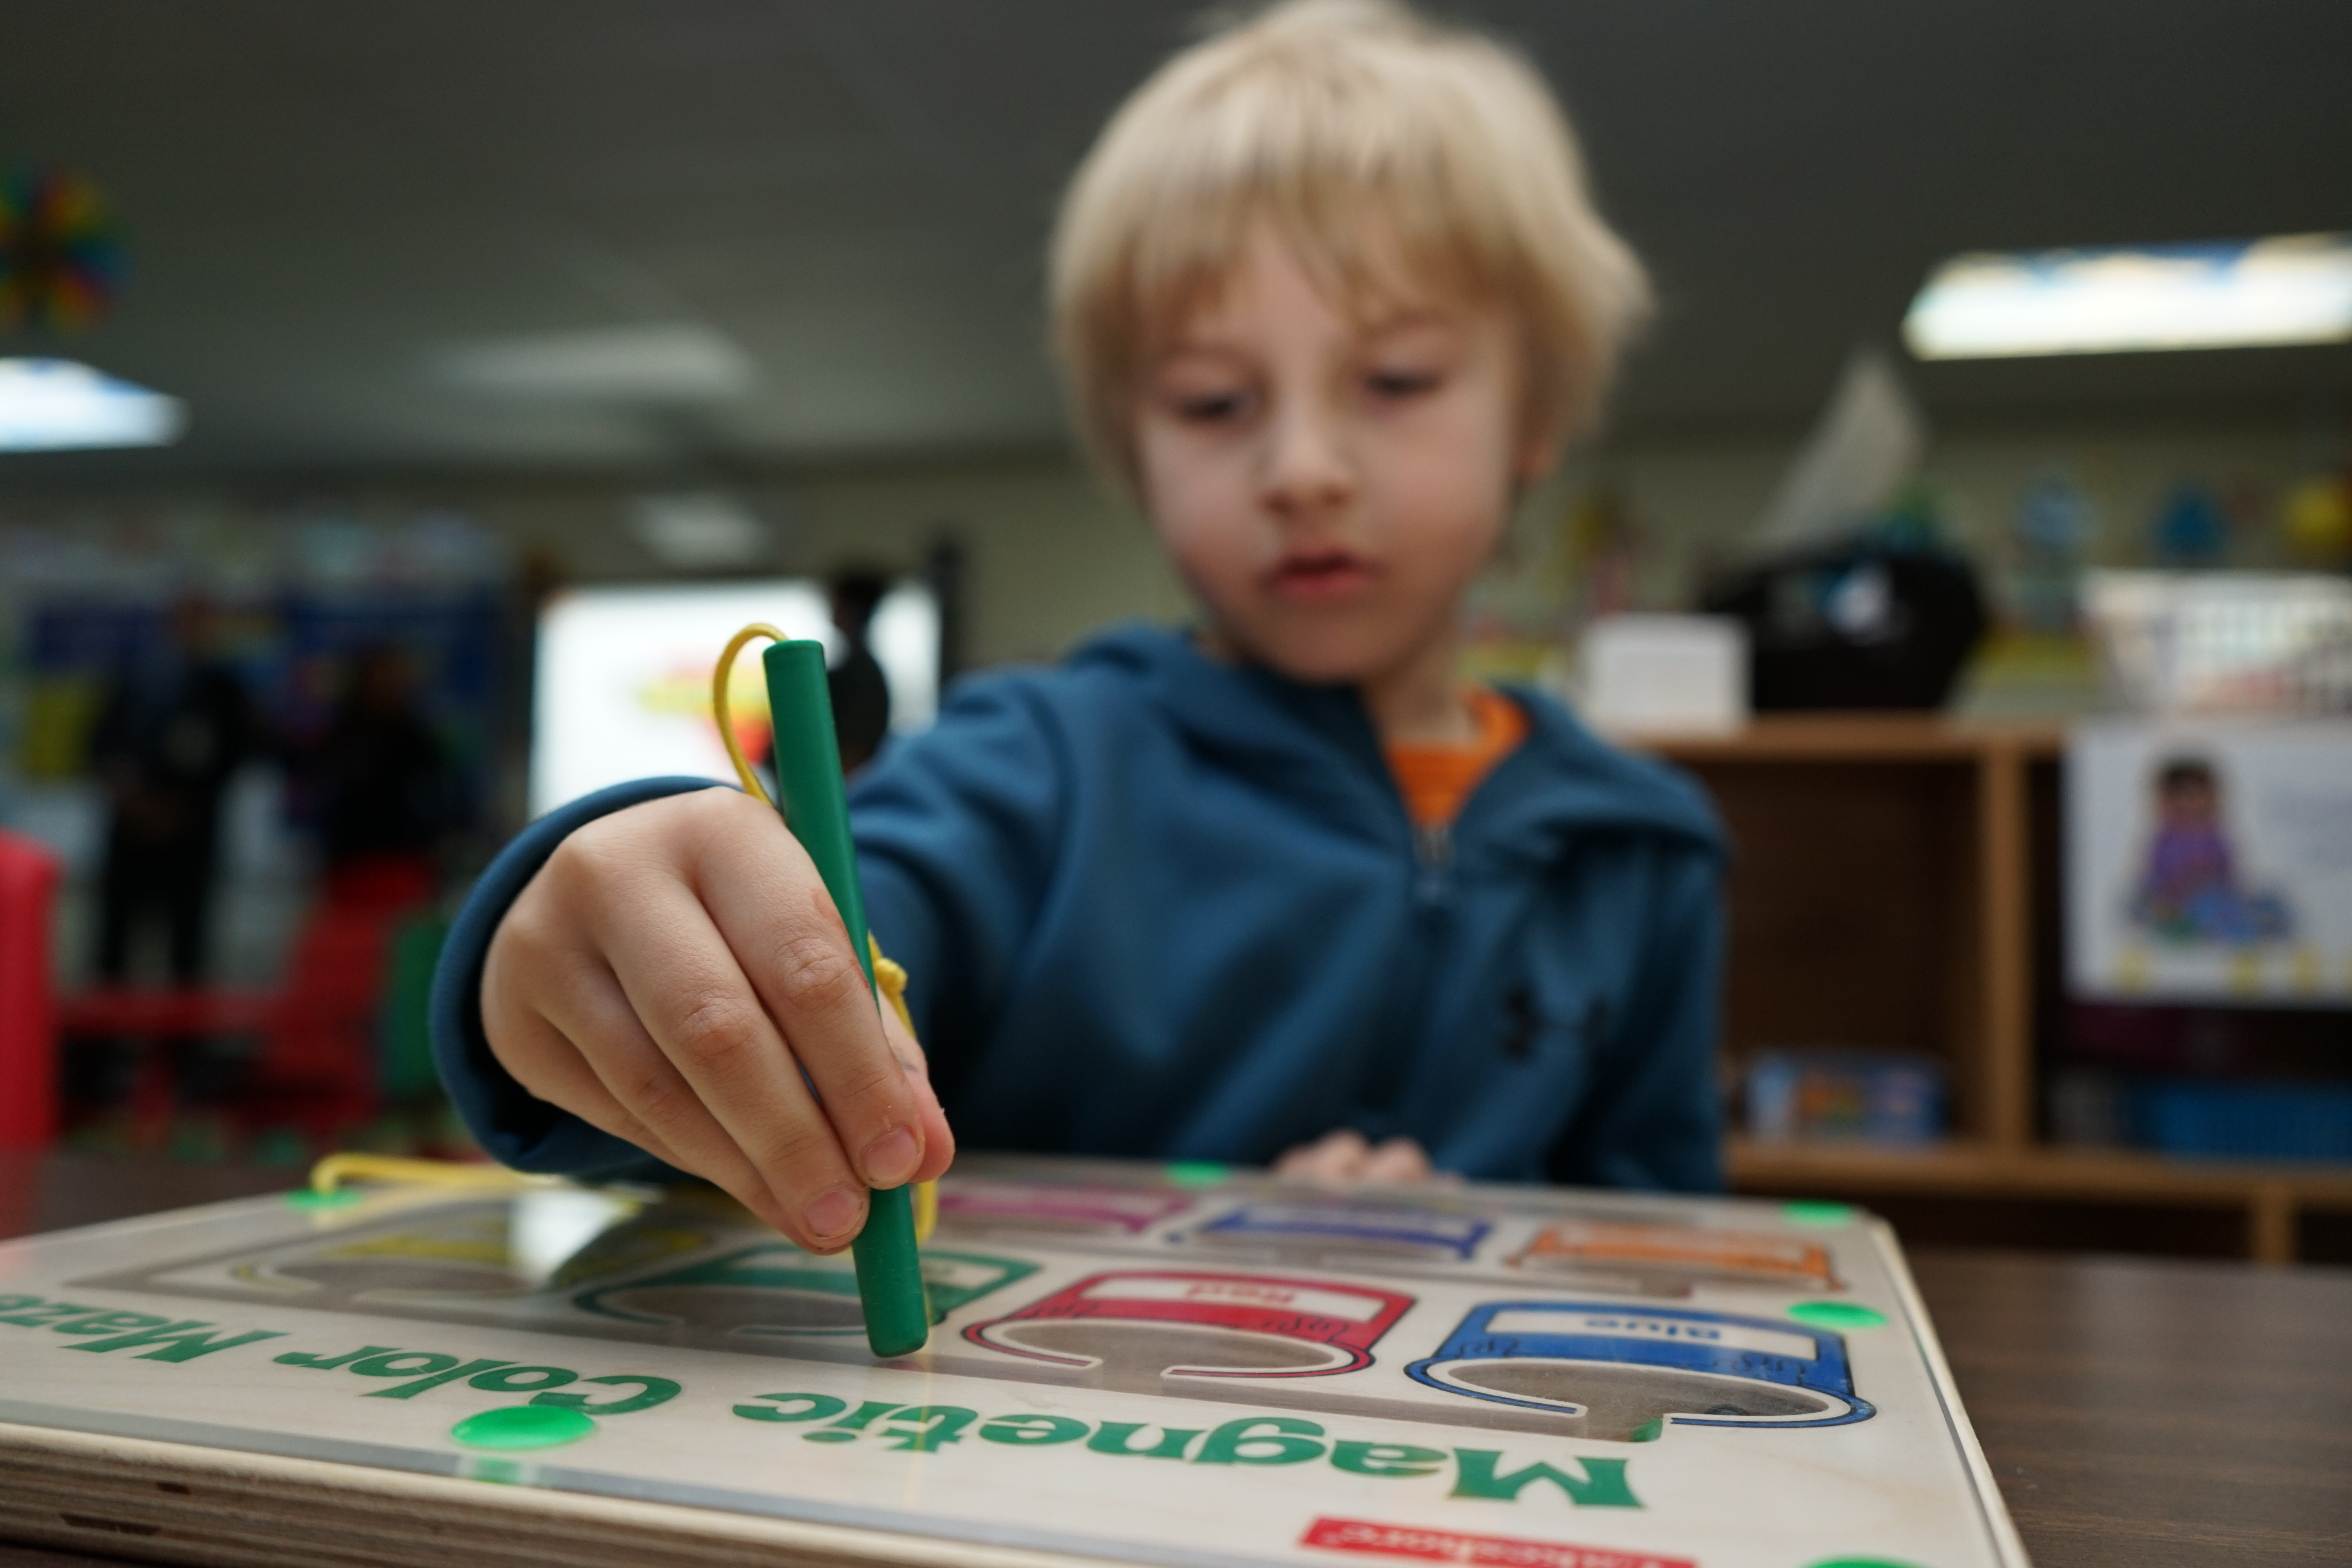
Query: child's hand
point(668, 975)
point(1343, 1159)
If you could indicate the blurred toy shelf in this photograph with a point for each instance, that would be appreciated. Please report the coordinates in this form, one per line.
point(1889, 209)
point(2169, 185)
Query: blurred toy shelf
point(1863, 738)
point(2271, 1199)
point(1896, 895)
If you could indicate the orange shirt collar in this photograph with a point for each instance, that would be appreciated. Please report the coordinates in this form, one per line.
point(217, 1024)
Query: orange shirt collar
point(1435, 780)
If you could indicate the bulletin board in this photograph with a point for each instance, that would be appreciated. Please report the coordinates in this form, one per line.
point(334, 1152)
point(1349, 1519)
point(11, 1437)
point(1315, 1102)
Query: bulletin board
point(1136, 1364)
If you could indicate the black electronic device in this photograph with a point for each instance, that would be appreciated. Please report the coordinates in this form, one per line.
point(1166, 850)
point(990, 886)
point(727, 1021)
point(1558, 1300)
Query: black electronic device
point(1860, 624)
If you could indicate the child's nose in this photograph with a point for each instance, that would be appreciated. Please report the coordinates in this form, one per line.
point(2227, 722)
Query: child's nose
point(1309, 469)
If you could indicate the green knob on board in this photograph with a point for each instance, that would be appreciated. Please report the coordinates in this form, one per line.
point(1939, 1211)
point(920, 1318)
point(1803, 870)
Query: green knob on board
point(816, 808)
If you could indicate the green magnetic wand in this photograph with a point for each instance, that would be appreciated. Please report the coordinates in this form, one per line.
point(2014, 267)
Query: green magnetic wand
point(816, 808)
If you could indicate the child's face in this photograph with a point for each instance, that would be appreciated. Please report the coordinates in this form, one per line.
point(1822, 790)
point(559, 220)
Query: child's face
point(2187, 803)
point(1329, 483)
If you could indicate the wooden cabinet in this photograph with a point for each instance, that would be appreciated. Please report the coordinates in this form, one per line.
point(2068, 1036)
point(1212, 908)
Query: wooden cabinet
point(1895, 886)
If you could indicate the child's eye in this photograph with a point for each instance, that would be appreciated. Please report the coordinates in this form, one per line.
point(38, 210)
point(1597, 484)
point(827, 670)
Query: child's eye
point(1212, 407)
point(1399, 384)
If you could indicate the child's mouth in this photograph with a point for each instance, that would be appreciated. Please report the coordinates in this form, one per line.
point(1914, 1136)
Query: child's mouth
point(1321, 575)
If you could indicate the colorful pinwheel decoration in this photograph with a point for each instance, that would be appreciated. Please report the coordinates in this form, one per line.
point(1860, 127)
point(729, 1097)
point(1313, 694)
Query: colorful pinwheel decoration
point(60, 259)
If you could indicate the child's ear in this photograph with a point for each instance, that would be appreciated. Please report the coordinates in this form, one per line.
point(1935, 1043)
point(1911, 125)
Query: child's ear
point(1538, 454)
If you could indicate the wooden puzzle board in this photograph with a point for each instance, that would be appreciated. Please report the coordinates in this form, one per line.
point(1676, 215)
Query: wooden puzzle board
point(1131, 1364)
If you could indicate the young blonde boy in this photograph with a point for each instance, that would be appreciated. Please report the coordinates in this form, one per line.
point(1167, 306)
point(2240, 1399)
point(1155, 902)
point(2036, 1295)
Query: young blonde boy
point(1329, 293)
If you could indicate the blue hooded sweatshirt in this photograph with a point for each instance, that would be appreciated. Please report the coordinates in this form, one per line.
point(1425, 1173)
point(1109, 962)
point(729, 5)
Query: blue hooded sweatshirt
point(1160, 907)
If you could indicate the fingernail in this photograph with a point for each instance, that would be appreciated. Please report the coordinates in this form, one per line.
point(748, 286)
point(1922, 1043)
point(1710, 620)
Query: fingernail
point(892, 1158)
point(835, 1210)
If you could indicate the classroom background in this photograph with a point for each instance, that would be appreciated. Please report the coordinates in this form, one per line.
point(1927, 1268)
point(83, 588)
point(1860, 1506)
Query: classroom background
point(395, 406)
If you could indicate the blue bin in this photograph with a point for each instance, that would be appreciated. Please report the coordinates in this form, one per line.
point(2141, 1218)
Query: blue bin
point(2245, 1120)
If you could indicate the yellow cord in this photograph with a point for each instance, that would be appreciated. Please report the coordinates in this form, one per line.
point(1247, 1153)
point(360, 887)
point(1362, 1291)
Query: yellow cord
point(718, 679)
point(889, 978)
point(336, 1169)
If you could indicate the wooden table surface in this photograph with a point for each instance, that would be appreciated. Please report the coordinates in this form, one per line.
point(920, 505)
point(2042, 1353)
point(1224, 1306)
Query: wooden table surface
point(2144, 1414)
point(2138, 1414)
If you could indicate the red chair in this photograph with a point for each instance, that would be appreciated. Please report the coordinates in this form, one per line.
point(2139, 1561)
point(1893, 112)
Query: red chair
point(28, 1031)
point(319, 1052)
point(319, 1064)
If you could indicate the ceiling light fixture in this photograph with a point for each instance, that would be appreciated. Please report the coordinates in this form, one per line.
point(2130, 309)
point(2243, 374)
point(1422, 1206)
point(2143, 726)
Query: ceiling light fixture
point(57, 405)
point(700, 531)
point(657, 361)
point(2235, 294)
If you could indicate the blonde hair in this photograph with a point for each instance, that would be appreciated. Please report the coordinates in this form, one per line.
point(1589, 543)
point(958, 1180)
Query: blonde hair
point(1348, 124)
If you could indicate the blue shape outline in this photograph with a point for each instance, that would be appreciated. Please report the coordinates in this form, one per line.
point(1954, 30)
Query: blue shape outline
point(1471, 1342)
point(1354, 1222)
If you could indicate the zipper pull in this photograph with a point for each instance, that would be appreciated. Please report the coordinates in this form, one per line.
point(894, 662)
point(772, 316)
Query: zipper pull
point(1433, 847)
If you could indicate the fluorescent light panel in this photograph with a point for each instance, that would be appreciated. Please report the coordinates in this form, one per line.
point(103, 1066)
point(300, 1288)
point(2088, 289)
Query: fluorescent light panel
point(2237, 294)
point(699, 531)
point(57, 405)
point(659, 362)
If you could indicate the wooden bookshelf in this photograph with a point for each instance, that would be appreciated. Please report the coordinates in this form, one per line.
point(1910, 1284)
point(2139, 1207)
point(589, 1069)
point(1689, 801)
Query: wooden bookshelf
point(1896, 886)
point(2269, 1202)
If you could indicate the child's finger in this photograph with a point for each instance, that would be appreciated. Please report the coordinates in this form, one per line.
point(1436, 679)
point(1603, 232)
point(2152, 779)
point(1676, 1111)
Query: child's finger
point(722, 1078)
point(766, 899)
point(1399, 1162)
point(528, 969)
point(939, 1140)
point(1335, 1158)
point(633, 1091)
point(1345, 1153)
point(544, 1061)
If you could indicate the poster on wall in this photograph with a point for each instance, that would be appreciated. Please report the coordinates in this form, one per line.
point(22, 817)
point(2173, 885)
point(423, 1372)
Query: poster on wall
point(2210, 861)
point(622, 689)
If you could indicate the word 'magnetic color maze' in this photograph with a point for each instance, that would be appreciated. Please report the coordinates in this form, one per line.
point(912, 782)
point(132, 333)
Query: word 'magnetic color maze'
point(1126, 1364)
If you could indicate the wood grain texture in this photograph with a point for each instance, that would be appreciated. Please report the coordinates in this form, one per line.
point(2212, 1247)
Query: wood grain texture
point(2148, 1414)
point(16, 1556)
point(55, 1190)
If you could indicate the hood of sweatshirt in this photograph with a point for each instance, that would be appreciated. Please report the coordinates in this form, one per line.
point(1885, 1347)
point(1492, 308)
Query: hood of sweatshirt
point(1561, 784)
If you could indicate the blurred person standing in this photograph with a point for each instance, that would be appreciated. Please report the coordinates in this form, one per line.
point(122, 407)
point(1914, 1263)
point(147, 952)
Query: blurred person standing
point(860, 693)
point(172, 731)
point(379, 776)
